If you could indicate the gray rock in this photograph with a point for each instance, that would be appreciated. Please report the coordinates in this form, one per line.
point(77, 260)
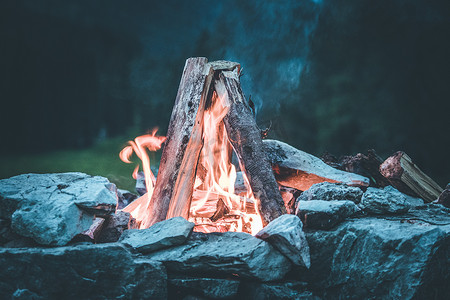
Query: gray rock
point(331, 191)
point(216, 288)
point(124, 198)
point(286, 234)
point(53, 208)
point(385, 201)
point(391, 257)
point(320, 214)
point(444, 197)
point(300, 170)
point(82, 272)
point(225, 254)
point(141, 189)
point(279, 290)
point(168, 233)
point(114, 227)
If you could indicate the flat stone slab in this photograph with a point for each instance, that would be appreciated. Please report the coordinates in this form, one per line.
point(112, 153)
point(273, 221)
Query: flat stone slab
point(386, 201)
point(53, 208)
point(383, 257)
point(225, 254)
point(286, 234)
point(168, 233)
point(331, 191)
point(300, 170)
point(320, 214)
point(106, 271)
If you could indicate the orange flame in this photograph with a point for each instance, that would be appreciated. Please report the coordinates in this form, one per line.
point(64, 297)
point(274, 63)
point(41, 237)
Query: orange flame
point(216, 181)
point(139, 146)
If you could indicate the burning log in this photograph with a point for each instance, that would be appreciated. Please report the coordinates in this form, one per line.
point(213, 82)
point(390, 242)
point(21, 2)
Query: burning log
point(245, 137)
point(404, 175)
point(210, 119)
point(176, 173)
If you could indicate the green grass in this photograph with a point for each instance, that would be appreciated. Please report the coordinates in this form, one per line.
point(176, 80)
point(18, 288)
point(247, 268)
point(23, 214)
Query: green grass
point(101, 159)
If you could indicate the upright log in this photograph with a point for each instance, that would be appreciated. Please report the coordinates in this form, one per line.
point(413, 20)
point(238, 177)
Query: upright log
point(245, 138)
point(186, 113)
point(183, 188)
point(404, 175)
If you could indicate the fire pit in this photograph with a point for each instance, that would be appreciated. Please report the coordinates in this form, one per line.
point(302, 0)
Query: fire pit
point(228, 216)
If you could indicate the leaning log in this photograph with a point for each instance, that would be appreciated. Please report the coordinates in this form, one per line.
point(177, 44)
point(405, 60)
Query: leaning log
point(183, 188)
point(245, 137)
point(405, 176)
point(186, 113)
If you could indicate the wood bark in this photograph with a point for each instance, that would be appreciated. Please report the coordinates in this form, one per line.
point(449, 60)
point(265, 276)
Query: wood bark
point(185, 115)
point(367, 166)
point(182, 190)
point(245, 137)
point(404, 175)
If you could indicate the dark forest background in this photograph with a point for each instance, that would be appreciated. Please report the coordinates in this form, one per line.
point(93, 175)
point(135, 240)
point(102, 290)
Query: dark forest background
point(340, 76)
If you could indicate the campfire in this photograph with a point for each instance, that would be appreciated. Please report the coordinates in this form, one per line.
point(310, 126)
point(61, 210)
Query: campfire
point(211, 124)
point(63, 231)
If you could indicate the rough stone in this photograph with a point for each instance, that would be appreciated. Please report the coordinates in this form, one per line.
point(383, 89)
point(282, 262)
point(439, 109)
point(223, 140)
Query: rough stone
point(124, 198)
point(383, 257)
point(114, 227)
point(168, 233)
point(285, 233)
point(385, 201)
point(53, 208)
point(320, 214)
point(82, 272)
point(141, 189)
point(331, 191)
point(216, 288)
point(225, 254)
point(279, 290)
point(300, 170)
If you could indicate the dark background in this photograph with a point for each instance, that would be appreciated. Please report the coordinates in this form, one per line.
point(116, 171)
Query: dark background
point(340, 76)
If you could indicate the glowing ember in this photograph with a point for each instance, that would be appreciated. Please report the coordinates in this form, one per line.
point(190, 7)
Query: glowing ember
point(139, 146)
point(214, 205)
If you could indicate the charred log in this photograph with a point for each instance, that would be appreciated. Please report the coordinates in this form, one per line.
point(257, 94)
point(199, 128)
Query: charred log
point(245, 137)
point(367, 166)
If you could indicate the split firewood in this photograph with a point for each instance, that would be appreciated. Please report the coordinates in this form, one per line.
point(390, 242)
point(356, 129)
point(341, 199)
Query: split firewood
point(183, 144)
point(189, 131)
point(300, 170)
point(245, 138)
point(406, 177)
point(91, 234)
